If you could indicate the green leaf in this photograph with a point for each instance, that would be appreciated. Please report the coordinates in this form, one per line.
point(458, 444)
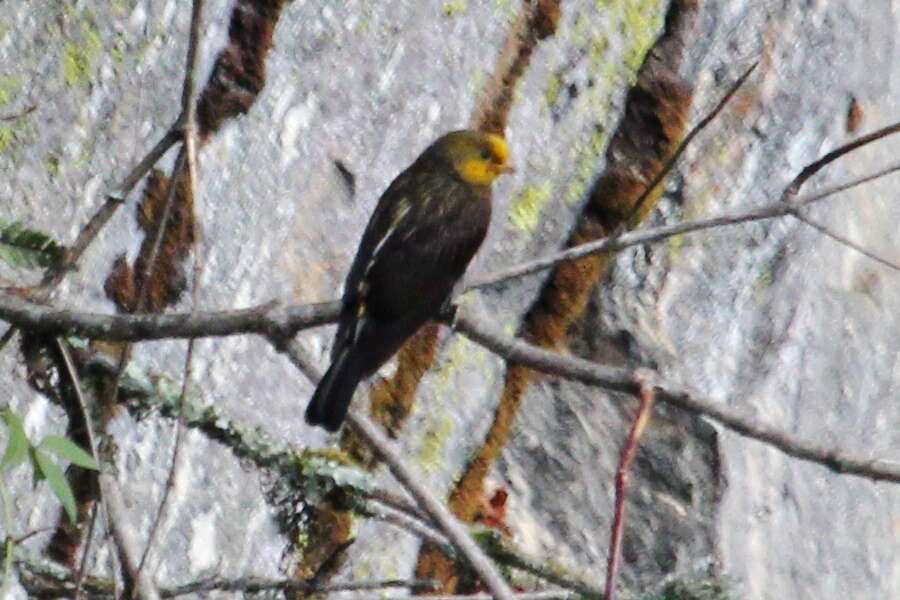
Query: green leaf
point(50, 471)
point(69, 450)
point(26, 248)
point(17, 447)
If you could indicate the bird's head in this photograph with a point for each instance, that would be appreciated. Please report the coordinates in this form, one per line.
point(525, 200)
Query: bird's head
point(478, 158)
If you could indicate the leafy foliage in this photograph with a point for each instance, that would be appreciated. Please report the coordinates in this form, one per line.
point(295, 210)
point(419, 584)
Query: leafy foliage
point(19, 448)
point(25, 248)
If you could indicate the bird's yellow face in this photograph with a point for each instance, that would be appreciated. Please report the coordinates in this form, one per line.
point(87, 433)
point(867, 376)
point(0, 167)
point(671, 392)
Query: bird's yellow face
point(479, 158)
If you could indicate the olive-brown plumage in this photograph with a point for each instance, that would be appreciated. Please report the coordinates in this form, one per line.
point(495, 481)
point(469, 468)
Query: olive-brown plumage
point(425, 230)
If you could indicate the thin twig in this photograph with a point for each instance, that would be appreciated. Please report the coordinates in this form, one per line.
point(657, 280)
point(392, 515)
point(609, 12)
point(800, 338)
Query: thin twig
point(19, 115)
point(656, 234)
point(111, 497)
point(31, 534)
point(180, 428)
point(396, 502)
point(56, 580)
point(190, 145)
point(92, 446)
point(845, 241)
point(403, 521)
point(629, 451)
point(793, 188)
point(252, 585)
point(89, 232)
point(382, 447)
point(683, 145)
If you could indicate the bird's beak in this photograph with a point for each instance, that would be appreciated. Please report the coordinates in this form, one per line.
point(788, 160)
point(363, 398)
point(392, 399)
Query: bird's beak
point(506, 168)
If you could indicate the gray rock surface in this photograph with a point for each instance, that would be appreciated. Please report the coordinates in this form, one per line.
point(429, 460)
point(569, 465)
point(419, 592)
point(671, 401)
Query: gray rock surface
point(772, 317)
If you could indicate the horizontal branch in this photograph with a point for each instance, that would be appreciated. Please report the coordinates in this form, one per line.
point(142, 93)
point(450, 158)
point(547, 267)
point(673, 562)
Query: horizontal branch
point(625, 380)
point(280, 322)
point(269, 319)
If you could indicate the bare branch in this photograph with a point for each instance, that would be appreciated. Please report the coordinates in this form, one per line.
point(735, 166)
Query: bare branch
point(118, 195)
point(267, 319)
point(24, 113)
point(811, 169)
point(656, 234)
point(623, 380)
point(845, 241)
point(92, 446)
point(381, 446)
point(252, 585)
point(683, 145)
point(112, 500)
point(627, 457)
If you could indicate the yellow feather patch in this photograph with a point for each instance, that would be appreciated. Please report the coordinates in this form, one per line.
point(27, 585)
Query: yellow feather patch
point(499, 148)
point(478, 171)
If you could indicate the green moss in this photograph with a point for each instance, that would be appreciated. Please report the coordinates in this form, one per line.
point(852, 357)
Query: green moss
point(586, 165)
point(9, 87)
point(436, 438)
point(525, 211)
point(761, 285)
point(79, 59)
point(643, 20)
point(117, 52)
point(554, 87)
point(477, 81)
point(85, 155)
point(6, 138)
point(638, 24)
point(51, 163)
point(121, 8)
point(454, 7)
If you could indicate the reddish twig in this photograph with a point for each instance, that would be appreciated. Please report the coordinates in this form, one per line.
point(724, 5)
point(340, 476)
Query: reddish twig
point(628, 453)
point(793, 188)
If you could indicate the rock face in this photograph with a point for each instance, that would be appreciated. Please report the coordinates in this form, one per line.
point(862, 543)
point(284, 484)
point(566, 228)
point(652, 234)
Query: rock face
point(772, 317)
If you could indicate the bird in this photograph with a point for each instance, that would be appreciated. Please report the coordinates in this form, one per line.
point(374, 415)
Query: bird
point(424, 231)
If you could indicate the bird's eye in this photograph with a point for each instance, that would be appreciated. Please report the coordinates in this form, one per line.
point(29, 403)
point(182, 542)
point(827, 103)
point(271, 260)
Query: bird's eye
point(485, 155)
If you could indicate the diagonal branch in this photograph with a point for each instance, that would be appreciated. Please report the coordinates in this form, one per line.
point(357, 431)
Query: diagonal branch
point(623, 380)
point(845, 241)
point(814, 167)
point(683, 145)
point(656, 234)
point(449, 525)
point(113, 502)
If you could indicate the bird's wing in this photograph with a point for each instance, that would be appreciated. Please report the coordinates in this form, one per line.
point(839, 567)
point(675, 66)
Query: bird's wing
point(393, 207)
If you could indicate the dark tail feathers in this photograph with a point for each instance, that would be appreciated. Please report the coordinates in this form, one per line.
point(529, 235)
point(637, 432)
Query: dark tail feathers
point(332, 397)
